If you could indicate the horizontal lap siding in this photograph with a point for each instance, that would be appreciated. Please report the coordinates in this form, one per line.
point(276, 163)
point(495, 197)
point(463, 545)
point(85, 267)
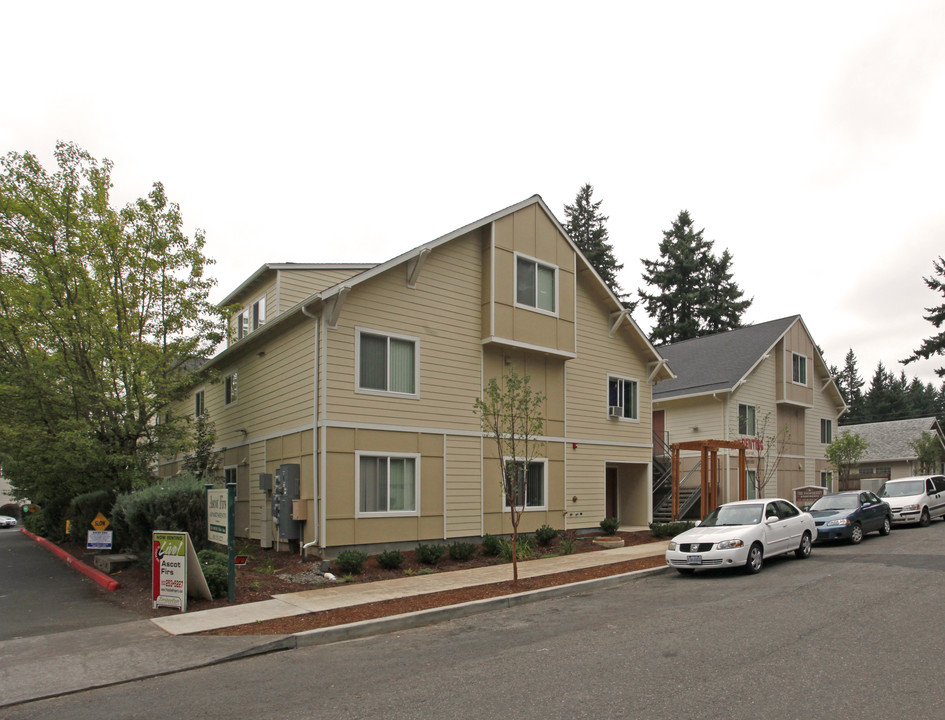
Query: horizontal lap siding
point(296, 285)
point(257, 497)
point(463, 486)
point(443, 312)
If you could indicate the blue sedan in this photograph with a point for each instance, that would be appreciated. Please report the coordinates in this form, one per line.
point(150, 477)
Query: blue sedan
point(850, 515)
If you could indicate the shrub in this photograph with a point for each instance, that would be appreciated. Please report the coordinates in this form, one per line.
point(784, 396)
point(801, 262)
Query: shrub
point(609, 525)
point(350, 562)
point(35, 522)
point(462, 551)
point(214, 566)
point(491, 545)
point(390, 559)
point(82, 511)
point(671, 528)
point(545, 534)
point(430, 554)
point(172, 504)
point(524, 548)
point(567, 543)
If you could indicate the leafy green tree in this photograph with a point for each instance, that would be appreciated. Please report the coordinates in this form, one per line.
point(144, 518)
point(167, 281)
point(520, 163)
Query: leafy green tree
point(929, 452)
point(934, 345)
point(844, 453)
point(510, 413)
point(104, 322)
point(694, 293)
point(588, 229)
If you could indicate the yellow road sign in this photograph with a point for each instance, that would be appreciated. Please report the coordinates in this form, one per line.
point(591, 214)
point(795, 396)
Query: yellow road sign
point(100, 522)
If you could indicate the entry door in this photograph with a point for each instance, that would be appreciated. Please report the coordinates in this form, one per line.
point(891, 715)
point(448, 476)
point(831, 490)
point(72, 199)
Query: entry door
point(611, 493)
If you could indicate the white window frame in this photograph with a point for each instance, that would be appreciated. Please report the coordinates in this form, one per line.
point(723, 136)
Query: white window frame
point(359, 331)
point(828, 424)
point(536, 262)
point(794, 357)
point(752, 429)
point(751, 487)
point(544, 485)
point(388, 456)
point(635, 417)
point(257, 313)
point(826, 480)
point(242, 324)
point(231, 388)
point(202, 395)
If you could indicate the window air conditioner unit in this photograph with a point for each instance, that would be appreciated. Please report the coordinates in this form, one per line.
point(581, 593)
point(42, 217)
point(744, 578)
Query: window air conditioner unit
point(616, 411)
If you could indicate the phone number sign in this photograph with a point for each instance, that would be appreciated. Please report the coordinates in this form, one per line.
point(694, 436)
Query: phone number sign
point(169, 570)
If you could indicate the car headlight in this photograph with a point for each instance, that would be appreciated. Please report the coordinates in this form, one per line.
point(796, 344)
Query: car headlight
point(844, 521)
point(907, 508)
point(730, 544)
point(672, 544)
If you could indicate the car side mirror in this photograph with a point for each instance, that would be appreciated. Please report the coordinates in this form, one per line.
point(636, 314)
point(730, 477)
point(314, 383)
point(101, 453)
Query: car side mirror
point(772, 519)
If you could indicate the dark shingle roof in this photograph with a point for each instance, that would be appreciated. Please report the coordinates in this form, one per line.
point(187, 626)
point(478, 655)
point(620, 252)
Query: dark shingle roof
point(716, 363)
point(889, 441)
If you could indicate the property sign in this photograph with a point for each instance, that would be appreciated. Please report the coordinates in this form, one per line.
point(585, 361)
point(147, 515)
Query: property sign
point(99, 540)
point(217, 516)
point(169, 569)
point(807, 495)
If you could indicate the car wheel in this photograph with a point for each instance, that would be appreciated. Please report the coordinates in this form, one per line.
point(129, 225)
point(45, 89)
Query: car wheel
point(755, 559)
point(685, 571)
point(803, 550)
point(856, 535)
point(924, 518)
point(887, 526)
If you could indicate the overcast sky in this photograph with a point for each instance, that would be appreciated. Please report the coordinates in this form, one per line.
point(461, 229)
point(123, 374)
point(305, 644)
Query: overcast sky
point(808, 138)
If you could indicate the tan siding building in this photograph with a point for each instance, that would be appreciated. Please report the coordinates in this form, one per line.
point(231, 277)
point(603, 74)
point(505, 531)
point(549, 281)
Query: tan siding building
point(362, 380)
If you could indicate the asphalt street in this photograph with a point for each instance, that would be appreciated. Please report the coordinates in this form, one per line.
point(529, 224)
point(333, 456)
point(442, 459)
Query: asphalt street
point(853, 630)
point(40, 594)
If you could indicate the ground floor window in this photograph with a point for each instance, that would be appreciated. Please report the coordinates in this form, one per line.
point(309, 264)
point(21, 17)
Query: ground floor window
point(826, 480)
point(387, 484)
point(751, 490)
point(530, 483)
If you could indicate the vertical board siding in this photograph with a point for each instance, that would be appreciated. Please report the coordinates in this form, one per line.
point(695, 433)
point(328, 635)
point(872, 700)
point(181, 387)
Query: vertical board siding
point(257, 497)
point(463, 486)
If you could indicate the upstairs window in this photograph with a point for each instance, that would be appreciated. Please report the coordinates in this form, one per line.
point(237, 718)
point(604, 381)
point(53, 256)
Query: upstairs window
point(623, 398)
point(826, 431)
point(387, 364)
point(229, 389)
point(199, 407)
point(536, 284)
point(242, 325)
point(746, 419)
point(799, 369)
point(258, 313)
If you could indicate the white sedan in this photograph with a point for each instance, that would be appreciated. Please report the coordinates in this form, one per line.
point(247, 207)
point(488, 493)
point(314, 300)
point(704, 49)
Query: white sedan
point(743, 534)
point(7, 521)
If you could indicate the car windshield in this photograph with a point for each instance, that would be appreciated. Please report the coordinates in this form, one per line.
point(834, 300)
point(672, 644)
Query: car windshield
point(902, 489)
point(734, 515)
point(836, 502)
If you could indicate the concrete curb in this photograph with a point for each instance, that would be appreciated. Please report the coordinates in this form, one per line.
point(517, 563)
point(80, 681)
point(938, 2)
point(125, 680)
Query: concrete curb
point(98, 576)
point(424, 618)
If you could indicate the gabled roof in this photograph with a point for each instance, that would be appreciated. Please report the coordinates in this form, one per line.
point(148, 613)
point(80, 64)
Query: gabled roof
point(889, 441)
point(315, 302)
point(271, 267)
point(717, 363)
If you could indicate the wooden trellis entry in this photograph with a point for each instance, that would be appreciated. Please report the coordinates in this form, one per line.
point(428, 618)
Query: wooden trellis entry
point(710, 483)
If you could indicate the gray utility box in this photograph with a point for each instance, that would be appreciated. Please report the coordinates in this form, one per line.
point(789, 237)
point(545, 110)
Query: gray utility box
point(286, 489)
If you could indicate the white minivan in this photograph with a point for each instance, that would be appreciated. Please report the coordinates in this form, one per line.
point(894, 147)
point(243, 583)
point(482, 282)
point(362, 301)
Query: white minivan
point(915, 499)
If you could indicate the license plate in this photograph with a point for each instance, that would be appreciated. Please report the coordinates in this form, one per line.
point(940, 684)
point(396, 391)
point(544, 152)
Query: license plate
point(693, 559)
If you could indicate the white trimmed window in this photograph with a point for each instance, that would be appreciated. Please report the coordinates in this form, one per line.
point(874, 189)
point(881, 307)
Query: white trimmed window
point(536, 285)
point(826, 480)
point(387, 364)
point(258, 313)
point(388, 484)
point(826, 431)
point(242, 325)
point(229, 389)
point(751, 490)
point(199, 406)
point(623, 398)
point(746, 419)
point(531, 483)
point(799, 369)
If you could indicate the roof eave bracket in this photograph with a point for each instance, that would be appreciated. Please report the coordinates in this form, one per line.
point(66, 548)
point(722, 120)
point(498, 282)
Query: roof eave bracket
point(334, 306)
point(616, 318)
point(414, 266)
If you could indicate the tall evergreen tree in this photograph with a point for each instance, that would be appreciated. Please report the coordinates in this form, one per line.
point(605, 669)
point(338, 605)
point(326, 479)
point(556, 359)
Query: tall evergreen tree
point(850, 384)
point(694, 294)
point(934, 345)
point(587, 227)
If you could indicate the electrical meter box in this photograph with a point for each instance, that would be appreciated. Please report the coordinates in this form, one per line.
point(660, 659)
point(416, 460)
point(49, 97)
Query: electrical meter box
point(285, 490)
point(265, 481)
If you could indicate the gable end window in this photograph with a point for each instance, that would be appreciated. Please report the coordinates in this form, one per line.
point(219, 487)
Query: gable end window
point(623, 398)
point(799, 364)
point(826, 431)
point(536, 285)
point(229, 389)
point(746, 419)
point(387, 364)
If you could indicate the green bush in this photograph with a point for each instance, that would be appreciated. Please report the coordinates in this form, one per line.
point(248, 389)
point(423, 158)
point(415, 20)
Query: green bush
point(491, 545)
point(35, 522)
point(430, 554)
point(568, 542)
point(175, 505)
point(524, 548)
point(545, 534)
point(462, 551)
point(83, 510)
point(350, 562)
point(218, 579)
point(670, 529)
point(609, 525)
point(390, 559)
